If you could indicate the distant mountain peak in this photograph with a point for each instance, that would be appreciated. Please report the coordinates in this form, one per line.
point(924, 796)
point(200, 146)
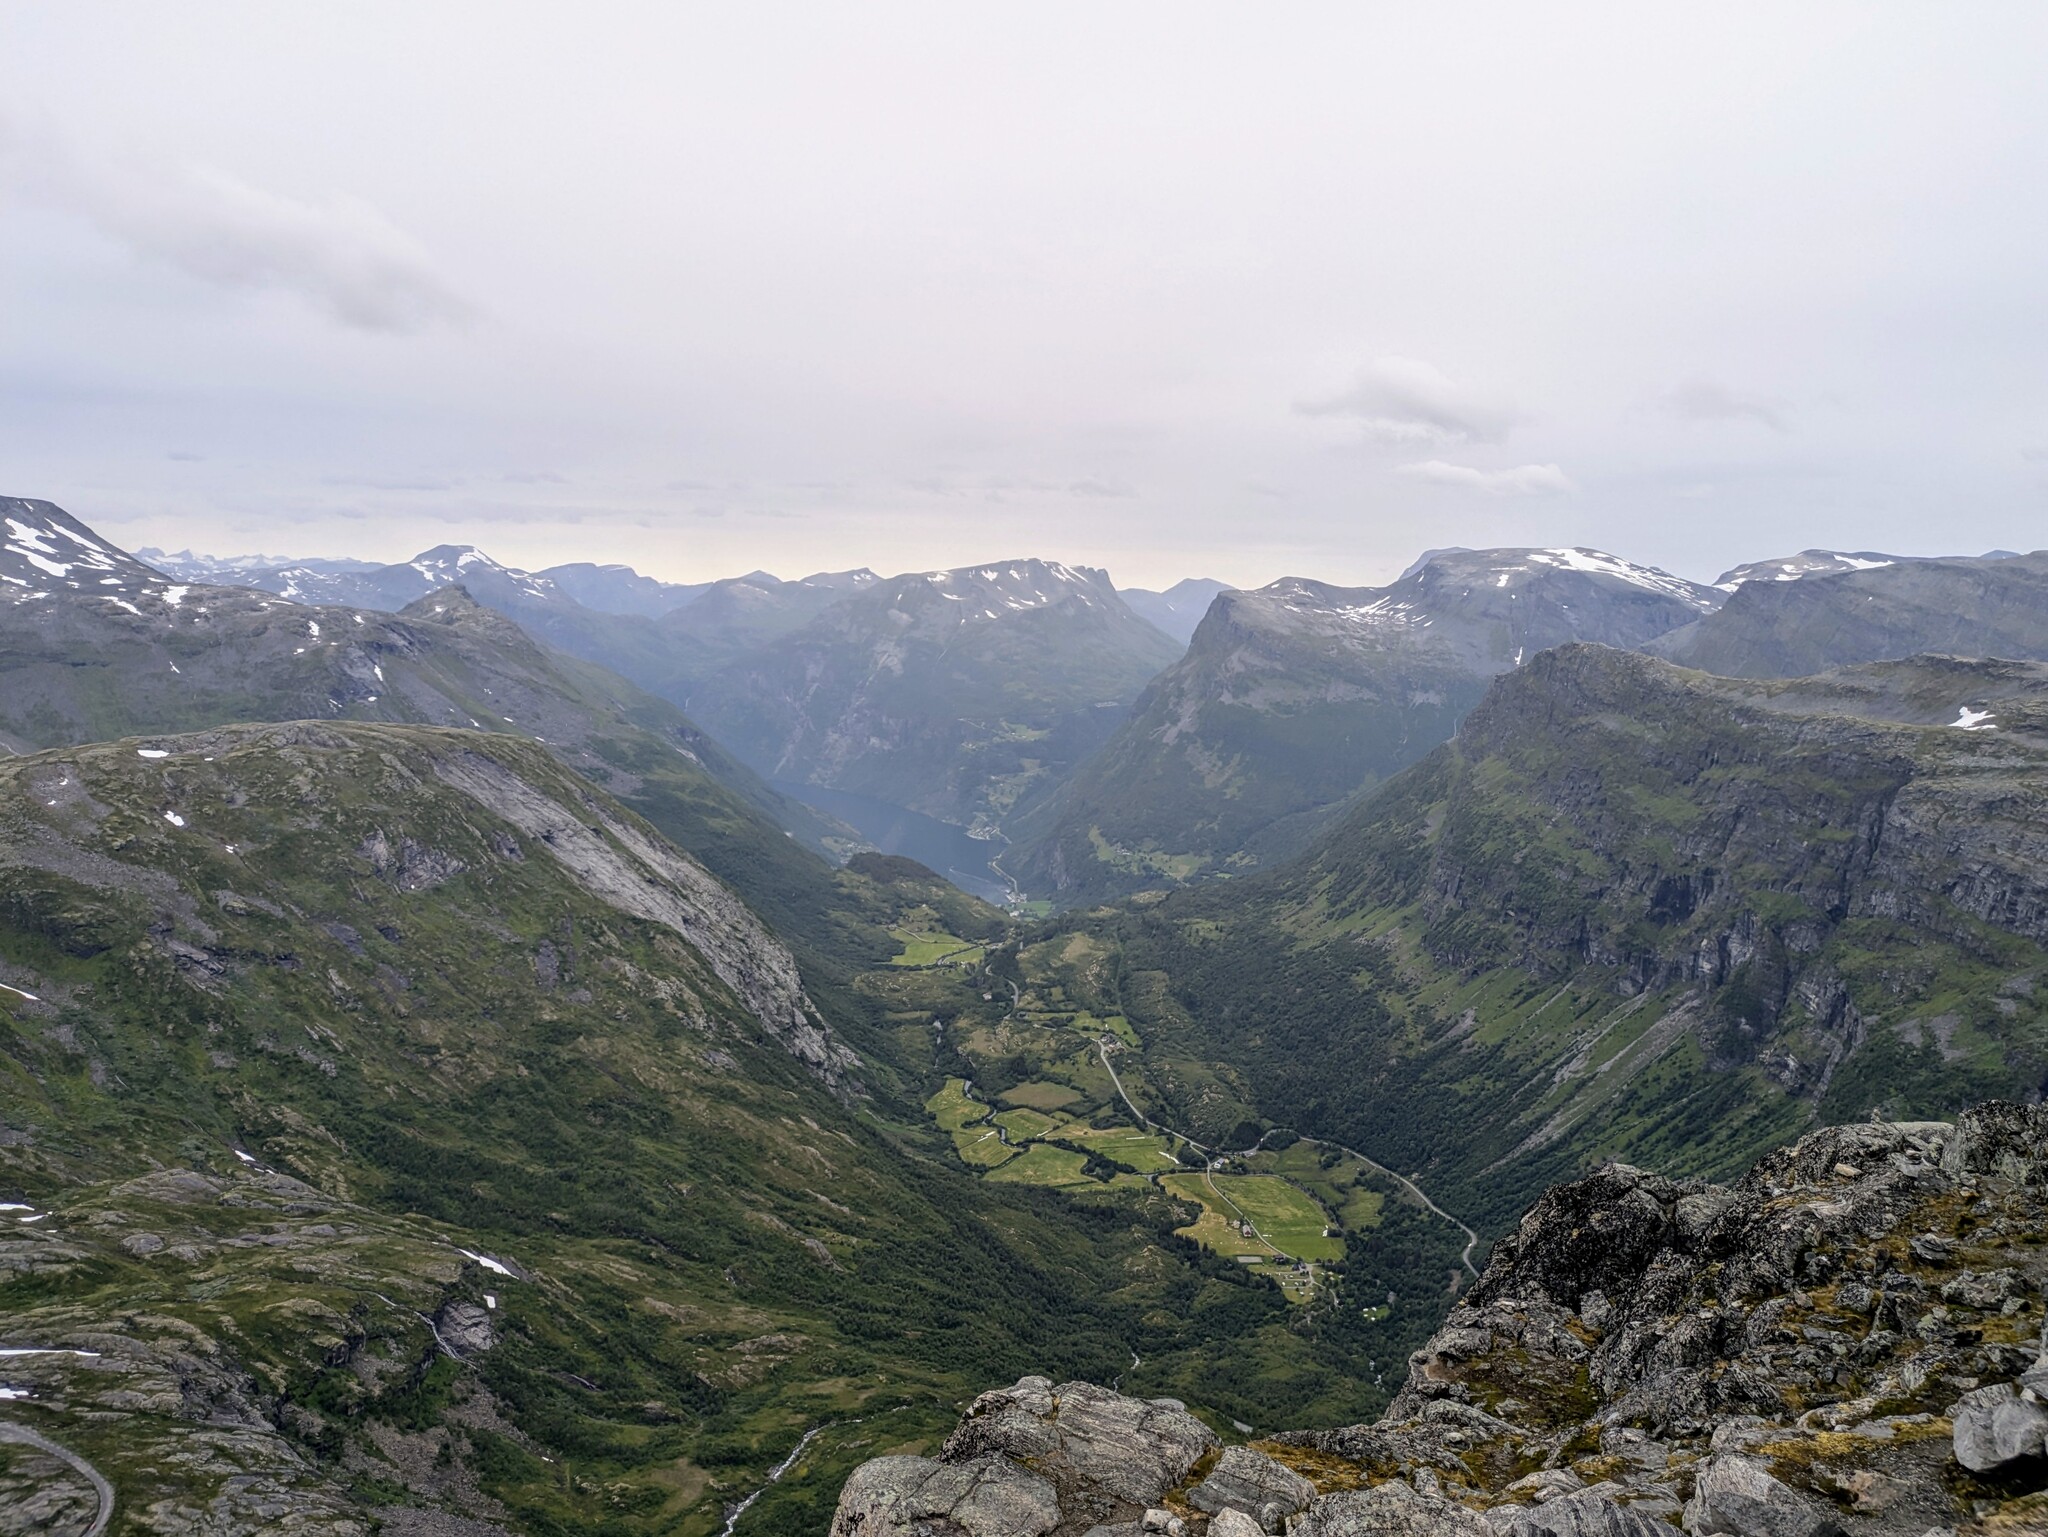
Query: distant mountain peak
point(1791, 568)
point(1177, 610)
point(1503, 567)
point(1427, 556)
point(1008, 586)
point(44, 550)
point(852, 580)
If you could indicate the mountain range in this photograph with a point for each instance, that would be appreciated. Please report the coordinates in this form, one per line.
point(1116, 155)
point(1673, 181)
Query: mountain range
point(447, 1087)
point(1003, 686)
point(1298, 696)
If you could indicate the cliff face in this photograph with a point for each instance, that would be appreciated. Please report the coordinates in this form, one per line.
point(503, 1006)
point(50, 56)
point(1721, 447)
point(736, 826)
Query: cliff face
point(1964, 607)
point(1296, 697)
point(1635, 912)
point(1847, 1342)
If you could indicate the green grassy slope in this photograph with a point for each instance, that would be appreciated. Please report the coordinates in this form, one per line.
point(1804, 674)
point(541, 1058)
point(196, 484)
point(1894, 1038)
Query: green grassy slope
point(294, 1015)
point(1630, 912)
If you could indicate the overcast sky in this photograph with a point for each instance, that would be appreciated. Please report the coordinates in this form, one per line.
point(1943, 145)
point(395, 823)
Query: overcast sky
point(1177, 289)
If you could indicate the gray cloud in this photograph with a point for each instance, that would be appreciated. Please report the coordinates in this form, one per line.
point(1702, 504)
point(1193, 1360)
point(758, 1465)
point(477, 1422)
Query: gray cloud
point(1401, 400)
point(1523, 480)
point(338, 254)
point(390, 482)
point(764, 262)
point(1704, 400)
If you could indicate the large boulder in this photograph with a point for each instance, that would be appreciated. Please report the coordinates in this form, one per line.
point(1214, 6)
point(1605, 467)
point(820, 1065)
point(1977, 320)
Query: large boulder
point(1584, 1513)
point(1251, 1482)
point(1030, 1460)
point(922, 1497)
point(1998, 1425)
point(2001, 1139)
point(1736, 1496)
point(1094, 1443)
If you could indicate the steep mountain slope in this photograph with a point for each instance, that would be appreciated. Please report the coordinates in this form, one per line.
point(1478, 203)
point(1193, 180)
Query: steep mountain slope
point(1177, 610)
point(662, 636)
point(1846, 1343)
point(957, 694)
point(1630, 911)
point(84, 659)
point(1990, 606)
point(393, 1126)
point(1294, 698)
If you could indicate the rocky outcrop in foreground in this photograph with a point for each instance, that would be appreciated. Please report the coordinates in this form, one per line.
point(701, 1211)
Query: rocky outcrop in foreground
point(1847, 1343)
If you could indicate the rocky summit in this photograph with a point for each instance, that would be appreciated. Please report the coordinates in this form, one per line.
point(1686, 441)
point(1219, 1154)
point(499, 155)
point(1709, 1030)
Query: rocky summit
point(1846, 1342)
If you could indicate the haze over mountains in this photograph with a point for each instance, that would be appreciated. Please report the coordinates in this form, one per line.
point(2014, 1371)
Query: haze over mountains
point(1288, 702)
point(485, 952)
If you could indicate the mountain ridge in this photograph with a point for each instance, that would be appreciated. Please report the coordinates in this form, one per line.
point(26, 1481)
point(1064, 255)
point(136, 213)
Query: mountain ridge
point(1296, 697)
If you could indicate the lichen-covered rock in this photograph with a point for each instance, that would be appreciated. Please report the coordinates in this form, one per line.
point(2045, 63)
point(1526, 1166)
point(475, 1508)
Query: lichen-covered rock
point(1034, 1459)
point(1998, 1425)
point(1234, 1523)
point(1098, 1446)
point(1582, 1513)
point(1737, 1496)
point(1389, 1510)
point(1251, 1482)
point(987, 1496)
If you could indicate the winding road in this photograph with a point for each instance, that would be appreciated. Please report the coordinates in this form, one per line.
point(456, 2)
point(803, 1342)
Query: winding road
point(1471, 1238)
point(21, 1435)
point(1103, 1044)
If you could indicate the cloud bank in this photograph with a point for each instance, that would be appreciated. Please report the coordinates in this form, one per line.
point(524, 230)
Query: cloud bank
point(338, 254)
point(1523, 480)
point(1402, 400)
point(1703, 400)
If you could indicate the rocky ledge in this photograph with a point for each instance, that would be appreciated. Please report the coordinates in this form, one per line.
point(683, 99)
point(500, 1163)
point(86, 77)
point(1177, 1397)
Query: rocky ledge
point(1849, 1342)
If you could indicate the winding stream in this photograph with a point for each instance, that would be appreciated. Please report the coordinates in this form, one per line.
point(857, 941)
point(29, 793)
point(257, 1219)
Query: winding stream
point(732, 1518)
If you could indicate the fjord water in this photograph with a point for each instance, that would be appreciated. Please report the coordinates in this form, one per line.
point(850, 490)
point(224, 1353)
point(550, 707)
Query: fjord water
point(947, 847)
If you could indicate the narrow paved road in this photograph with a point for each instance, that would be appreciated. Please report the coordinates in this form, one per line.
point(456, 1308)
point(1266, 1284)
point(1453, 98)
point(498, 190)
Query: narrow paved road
point(21, 1435)
point(1471, 1238)
point(1102, 1045)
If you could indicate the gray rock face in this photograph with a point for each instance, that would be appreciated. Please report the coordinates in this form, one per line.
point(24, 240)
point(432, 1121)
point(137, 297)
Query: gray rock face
point(465, 1328)
point(1251, 1482)
point(920, 1497)
point(1587, 1513)
point(1390, 1510)
point(1032, 1459)
point(1736, 1495)
point(618, 862)
point(1998, 1425)
point(1101, 1447)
